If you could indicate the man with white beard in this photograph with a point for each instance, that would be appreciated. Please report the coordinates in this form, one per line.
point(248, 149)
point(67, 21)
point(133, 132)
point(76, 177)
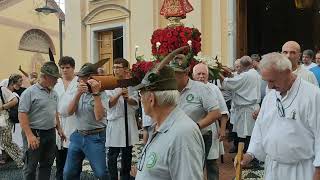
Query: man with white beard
point(286, 134)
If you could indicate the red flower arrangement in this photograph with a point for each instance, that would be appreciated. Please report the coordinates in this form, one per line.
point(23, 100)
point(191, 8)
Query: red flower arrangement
point(165, 41)
point(140, 68)
point(168, 39)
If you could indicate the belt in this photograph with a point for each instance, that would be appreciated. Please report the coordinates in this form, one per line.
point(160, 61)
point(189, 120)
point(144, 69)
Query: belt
point(90, 132)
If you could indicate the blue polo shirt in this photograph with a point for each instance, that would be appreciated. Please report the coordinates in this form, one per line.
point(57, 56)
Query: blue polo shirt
point(316, 72)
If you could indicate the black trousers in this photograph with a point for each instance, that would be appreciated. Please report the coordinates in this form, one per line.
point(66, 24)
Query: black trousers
point(126, 157)
point(44, 155)
point(61, 157)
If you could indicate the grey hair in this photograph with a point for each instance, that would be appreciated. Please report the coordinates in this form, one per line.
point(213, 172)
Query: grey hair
point(167, 98)
point(275, 60)
point(246, 61)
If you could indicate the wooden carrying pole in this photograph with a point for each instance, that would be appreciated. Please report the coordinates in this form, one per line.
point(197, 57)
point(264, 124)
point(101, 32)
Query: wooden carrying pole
point(239, 158)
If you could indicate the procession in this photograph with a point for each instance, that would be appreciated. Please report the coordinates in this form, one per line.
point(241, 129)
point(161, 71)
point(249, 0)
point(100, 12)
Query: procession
point(160, 90)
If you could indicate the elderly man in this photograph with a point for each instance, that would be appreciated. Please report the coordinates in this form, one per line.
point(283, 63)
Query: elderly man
point(66, 88)
point(88, 140)
point(286, 135)
point(175, 149)
point(38, 120)
point(316, 69)
point(292, 51)
point(246, 88)
point(197, 100)
point(307, 57)
point(201, 73)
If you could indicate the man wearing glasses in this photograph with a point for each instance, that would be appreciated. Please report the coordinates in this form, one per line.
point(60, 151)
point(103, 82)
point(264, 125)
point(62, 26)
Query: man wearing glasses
point(115, 134)
point(286, 134)
point(175, 149)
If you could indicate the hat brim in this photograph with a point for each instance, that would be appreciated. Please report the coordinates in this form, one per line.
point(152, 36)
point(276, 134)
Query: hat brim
point(177, 69)
point(139, 87)
point(54, 75)
point(80, 74)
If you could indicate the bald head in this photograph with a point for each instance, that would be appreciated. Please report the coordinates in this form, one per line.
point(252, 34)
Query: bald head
point(292, 51)
point(200, 73)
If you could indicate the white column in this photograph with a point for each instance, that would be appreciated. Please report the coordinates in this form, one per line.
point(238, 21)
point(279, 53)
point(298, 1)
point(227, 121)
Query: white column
point(232, 27)
point(141, 27)
point(194, 17)
point(73, 30)
point(216, 28)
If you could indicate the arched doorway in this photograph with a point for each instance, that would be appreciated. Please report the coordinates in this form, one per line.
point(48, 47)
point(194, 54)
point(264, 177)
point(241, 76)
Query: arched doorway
point(264, 25)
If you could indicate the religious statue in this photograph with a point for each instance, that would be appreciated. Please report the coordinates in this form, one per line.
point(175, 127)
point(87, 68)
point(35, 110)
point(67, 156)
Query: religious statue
point(175, 10)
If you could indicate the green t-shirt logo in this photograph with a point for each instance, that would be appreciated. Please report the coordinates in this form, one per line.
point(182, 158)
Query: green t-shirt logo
point(152, 160)
point(190, 97)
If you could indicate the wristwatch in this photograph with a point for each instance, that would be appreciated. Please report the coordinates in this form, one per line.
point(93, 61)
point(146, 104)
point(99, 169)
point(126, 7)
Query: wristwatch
point(96, 94)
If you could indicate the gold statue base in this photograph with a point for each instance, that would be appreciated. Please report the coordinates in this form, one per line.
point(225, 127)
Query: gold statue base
point(175, 21)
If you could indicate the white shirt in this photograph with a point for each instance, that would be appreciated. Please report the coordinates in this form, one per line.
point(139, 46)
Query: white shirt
point(308, 67)
point(289, 145)
point(115, 133)
point(217, 148)
point(246, 98)
point(65, 96)
point(306, 75)
point(246, 87)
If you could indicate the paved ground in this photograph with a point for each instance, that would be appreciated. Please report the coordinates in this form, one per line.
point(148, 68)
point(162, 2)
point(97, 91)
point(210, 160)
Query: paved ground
point(227, 171)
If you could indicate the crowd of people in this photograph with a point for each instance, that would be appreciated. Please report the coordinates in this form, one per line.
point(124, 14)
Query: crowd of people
point(271, 104)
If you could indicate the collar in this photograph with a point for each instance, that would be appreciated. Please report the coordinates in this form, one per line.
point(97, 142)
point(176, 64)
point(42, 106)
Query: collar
point(296, 72)
point(38, 85)
point(292, 91)
point(168, 122)
point(188, 86)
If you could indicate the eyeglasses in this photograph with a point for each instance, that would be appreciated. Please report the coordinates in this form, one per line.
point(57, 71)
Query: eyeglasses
point(117, 67)
point(280, 108)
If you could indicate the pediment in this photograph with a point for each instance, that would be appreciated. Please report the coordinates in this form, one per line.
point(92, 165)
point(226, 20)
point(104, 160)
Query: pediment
point(106, 13)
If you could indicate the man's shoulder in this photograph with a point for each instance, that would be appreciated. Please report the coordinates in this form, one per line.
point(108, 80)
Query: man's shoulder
point(183, 123)
point(308, 87)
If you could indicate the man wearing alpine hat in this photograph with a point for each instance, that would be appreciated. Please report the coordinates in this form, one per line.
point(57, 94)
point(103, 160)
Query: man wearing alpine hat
point(88, 140)
point(38, 120)
point(175, 148)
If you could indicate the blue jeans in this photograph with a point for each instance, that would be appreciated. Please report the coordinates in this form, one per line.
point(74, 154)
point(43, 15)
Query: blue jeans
point(93, 148)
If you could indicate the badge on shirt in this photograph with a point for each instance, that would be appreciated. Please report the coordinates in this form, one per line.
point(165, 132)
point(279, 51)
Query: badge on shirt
point(152, 160)
point(190, 98)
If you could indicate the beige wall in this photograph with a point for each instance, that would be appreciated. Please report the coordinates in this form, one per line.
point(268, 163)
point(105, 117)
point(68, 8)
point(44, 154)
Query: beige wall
point(209, 16)
point(14, 22)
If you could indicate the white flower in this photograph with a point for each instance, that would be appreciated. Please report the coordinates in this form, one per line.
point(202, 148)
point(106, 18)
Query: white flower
point(190, 43)
point(137, 47)
point(158, 44)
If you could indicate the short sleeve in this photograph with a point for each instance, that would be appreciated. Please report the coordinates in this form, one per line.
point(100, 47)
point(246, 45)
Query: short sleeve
point(7, 94)
point(209, 100)
point(25, 101)
point(233, 83)
point(105, 100)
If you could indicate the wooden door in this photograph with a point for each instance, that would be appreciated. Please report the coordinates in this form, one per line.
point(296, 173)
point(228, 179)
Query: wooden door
point(242, 40)
point(106, 49)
